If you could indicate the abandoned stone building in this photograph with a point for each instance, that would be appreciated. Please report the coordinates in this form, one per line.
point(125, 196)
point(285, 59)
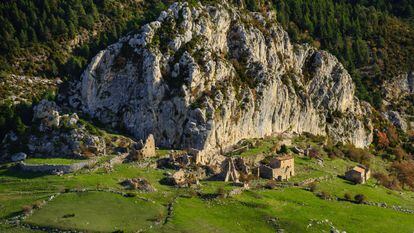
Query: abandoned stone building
point(358, 174)
point(279, 168)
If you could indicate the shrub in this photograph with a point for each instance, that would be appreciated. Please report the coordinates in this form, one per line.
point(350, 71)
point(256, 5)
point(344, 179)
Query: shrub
point(360, 198)
point(160, 217)
point(324, 195)
point(271, 184)
point(38, 204)
point(283, 149)
point(130, 195)
point(358, 155)
point(400, 154)
point(221, 192)
point(334, 152)
point(382, 140)
point(313, 153)
point(404, 172)
point(312, 187)
point(27, 209)
point(246, 178)
point(347, 196)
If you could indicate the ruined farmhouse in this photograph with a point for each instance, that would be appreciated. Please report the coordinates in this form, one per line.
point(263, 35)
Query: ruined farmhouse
point(279, 168)
point(358, 174)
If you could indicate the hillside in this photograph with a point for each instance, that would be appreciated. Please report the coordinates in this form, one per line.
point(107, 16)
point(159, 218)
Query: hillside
point(206, 116)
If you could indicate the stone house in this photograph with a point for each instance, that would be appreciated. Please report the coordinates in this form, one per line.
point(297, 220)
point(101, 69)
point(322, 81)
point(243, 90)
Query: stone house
point(279, 168)
point(359, 174)
point(229, 171)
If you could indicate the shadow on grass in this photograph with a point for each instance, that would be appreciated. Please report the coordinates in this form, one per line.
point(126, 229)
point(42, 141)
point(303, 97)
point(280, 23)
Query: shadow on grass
point(17, 173)
point(345, 180)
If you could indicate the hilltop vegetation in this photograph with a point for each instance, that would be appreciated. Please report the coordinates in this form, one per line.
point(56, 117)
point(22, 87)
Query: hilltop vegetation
point(373, 39)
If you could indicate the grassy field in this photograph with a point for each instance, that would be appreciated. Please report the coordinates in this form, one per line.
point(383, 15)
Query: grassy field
point(292, 209)
point(257, 210)
point(53, 161)
point(103, 212)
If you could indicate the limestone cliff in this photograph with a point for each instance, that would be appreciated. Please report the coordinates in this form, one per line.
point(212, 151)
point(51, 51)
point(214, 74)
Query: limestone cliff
point(399, 100)
point(204, 77)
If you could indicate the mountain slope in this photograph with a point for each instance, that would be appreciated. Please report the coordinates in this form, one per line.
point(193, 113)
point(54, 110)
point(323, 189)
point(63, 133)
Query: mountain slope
point(220, 74)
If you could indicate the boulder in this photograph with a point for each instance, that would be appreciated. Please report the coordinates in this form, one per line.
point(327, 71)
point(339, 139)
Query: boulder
point(179, 178)
point(18, 157)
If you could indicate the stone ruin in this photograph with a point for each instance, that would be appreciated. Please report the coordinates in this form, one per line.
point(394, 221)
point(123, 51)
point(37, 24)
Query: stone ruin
point(175, 160)
point(142, 150)
point(233, 168)
point(140, 184)
point(358, 174)
point(187, 177)
point(278, 168)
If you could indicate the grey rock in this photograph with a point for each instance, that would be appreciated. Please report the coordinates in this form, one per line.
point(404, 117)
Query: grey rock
point(19, 157)
point(397, 120)
point(218, 79)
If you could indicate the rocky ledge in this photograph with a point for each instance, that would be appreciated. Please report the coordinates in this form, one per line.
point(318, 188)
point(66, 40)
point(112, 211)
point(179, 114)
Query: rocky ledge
point(204, 77)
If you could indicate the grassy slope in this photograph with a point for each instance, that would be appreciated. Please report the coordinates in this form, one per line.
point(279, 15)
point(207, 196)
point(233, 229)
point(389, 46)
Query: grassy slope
point(52, 161)
point(292, 208)
point(103, 212)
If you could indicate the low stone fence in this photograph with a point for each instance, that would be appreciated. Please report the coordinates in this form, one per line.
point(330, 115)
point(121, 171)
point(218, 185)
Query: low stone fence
point(56, 169)
point(311, 180)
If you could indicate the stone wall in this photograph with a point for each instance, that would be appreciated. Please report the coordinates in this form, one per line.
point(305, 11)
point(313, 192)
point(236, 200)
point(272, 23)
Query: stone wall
point(55, 169)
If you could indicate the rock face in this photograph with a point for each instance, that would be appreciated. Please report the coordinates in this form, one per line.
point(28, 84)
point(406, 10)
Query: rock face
point(205, 77)
point(399, 100)
point(62, 135)
point(399, 87)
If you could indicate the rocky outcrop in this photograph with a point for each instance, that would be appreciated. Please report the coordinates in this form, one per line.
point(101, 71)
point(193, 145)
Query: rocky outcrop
point(17, 89)
point(398, 96)
point(399, 87)
point(62, 135)
point(54, 134)
point(204, 77)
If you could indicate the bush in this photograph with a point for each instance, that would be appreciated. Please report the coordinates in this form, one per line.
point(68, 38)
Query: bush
point(27, 209)
point(400, 154)
point(387, 181)
point(130, 195)
point(38, 204)
point(283, 149)
point(360, 198)
point(271, 184)
point(358, 155)
point(312, 187)
point(221, 192)
point(347, 196)
point(160, 217)
point(404, 172)
point(324, 195)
